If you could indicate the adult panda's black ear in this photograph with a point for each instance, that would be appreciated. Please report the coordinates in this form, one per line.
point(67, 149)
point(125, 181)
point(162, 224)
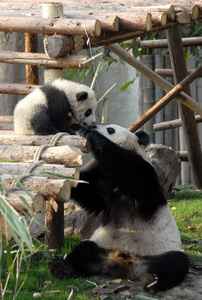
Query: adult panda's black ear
point(81, 96)
point(143, 138)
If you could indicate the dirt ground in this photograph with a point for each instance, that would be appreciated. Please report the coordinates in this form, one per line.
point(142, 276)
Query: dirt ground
point(190, 289)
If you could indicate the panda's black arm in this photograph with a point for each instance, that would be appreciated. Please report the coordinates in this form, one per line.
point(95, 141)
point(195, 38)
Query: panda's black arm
point(125, 169)
point(88, 195)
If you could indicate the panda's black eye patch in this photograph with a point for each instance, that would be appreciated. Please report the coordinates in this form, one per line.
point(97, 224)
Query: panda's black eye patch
point(110, 130)
point(88, 112)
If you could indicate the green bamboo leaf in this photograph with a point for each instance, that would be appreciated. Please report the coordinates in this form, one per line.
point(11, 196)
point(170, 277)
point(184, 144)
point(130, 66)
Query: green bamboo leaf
point(62, 177)
point(22, 186)
point(9, 256)
point(72, 74)
point(32, 213)
point(14, 222)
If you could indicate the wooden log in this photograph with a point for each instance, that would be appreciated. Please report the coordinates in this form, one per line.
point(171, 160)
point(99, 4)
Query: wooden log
point(58, 188)
point(31, 46)
point(159, 19)
point(58, 45)
point(6, 119)
point(110, 24)
point(191, 11)
point(136, 22)
point(172, 124)
point(187, 116)
point(6, 126)
point(50, 26)
point(168, 72)
point(182, 17)
point(17, 89)
point(165, 100)
point(39, 140)
point(41, 59)
point(163, 43)
point(37, 204)
point(183, 98)
point(6, 123)
point(18, 169)
point(53, 155)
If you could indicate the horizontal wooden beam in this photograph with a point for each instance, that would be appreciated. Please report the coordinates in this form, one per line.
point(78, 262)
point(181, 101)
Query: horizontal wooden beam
point(172, 124)
point(41, 59)
point(168, 72)
point(17, 89)
point(163, 43)
point(50, 26)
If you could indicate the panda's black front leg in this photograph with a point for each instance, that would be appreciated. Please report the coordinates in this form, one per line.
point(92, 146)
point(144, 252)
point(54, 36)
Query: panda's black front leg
point(86, 259)
point(95, 140)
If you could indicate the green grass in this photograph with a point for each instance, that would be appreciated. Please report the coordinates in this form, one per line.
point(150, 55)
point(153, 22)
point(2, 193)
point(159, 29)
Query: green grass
point(186, 208)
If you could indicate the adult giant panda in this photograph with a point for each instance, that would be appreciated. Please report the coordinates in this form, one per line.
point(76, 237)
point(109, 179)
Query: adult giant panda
point(54, 108)
point(139, 237)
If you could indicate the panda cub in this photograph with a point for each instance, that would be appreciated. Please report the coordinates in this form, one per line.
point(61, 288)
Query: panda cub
point(138, 237)
point(54, 108)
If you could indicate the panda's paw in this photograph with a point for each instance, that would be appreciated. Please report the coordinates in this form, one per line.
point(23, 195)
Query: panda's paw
point(150, 283)
point(59, 268)
point(95, 140)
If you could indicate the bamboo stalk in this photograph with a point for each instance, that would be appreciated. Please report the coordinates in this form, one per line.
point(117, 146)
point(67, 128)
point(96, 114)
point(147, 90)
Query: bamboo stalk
point(183, 98)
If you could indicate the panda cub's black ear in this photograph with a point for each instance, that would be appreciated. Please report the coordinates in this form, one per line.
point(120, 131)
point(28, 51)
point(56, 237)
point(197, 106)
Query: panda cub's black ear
point(81, 96)
point(143, 138)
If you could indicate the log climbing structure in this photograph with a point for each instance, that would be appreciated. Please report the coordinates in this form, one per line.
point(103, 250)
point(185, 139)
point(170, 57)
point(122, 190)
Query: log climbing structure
point(68, 27)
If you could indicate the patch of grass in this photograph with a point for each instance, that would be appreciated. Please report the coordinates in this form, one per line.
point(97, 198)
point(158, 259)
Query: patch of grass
point(186, 208)
point(40, 281)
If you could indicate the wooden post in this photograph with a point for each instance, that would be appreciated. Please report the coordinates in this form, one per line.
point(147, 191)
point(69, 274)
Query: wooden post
point(52, 10)
point(54, 221)
point(159, 93)
point(31, 46)
point(140, 92)
point(148, 98)
point(187, 116)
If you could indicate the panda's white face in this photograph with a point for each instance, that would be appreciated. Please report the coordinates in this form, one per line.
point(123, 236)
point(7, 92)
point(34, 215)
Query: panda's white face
point(125, 138)
point(82, 100)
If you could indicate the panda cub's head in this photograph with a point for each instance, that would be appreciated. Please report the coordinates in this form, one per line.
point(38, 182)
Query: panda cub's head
point(125, 138)
point(81, 98)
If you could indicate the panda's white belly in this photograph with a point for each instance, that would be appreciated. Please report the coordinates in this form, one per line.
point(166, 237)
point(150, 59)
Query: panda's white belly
point(142, 238)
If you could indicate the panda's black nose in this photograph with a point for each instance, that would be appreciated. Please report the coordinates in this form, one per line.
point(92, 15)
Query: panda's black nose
point(94, 126)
